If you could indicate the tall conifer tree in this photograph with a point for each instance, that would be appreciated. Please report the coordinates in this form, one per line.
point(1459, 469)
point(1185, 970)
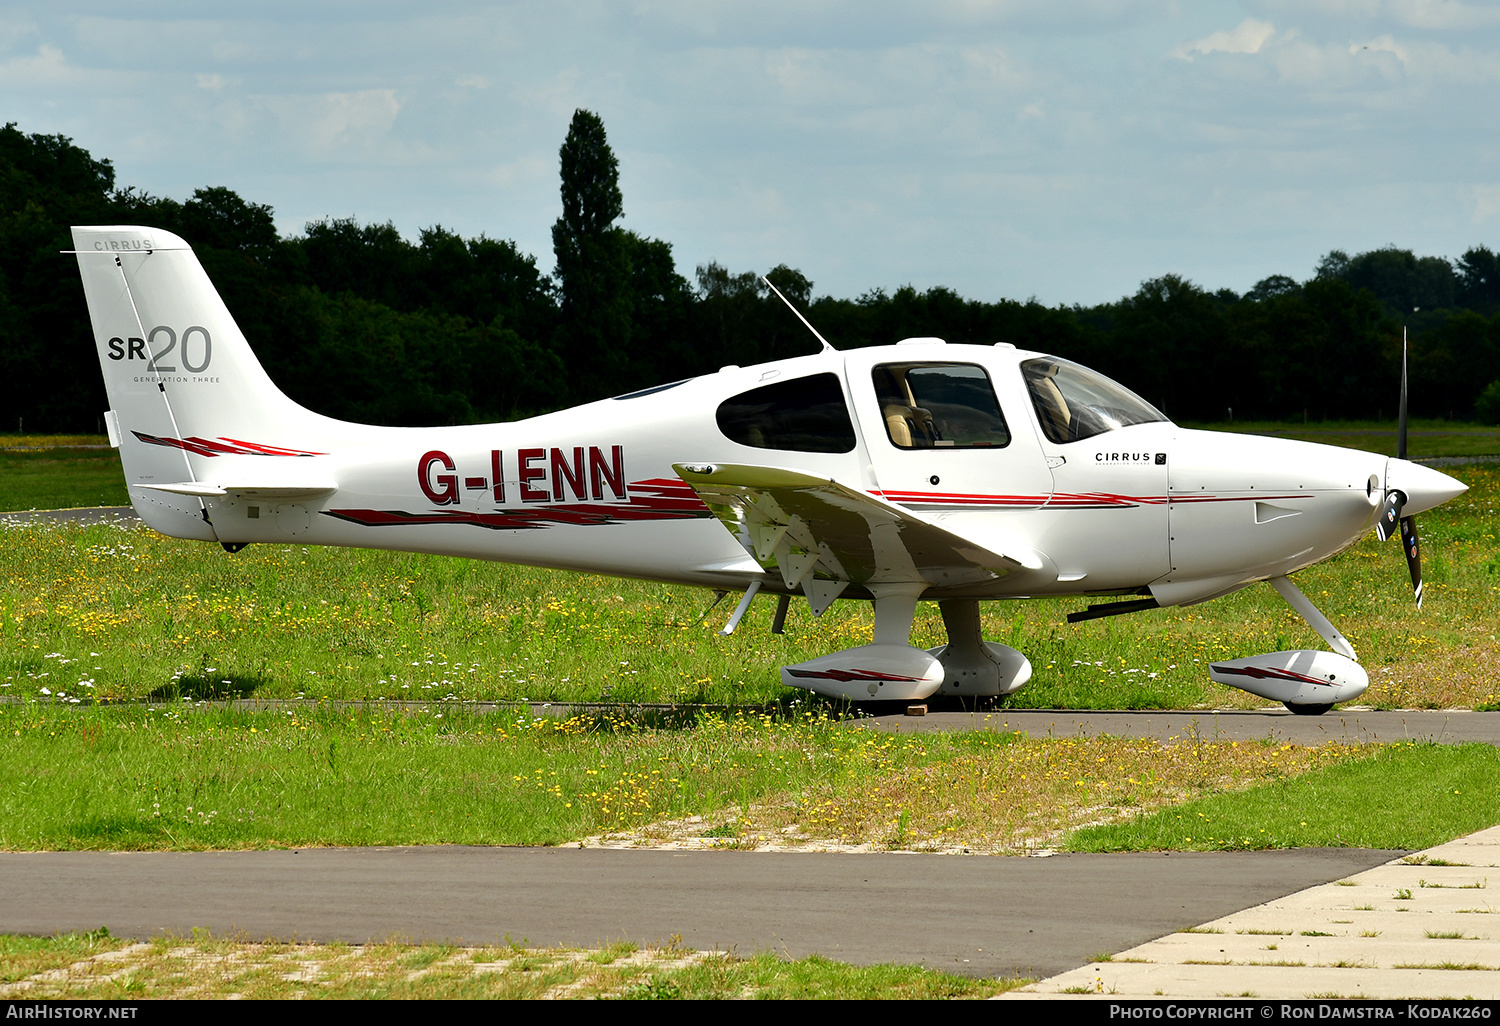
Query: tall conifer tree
point(593, 262)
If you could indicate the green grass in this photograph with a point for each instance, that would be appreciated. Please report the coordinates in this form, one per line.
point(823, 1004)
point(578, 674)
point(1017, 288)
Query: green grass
point(1425, 438)
point(1402, 796)
point(214, 778)
point(769, 977)
point(134, 780)
point(60, 479)
point(103, 611)
point(22, 956)
point(183, 778)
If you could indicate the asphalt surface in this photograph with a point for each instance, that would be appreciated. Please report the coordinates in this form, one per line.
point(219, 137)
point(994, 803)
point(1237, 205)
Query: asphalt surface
point(984, 915)
point(123, 515)
point(1356, 726)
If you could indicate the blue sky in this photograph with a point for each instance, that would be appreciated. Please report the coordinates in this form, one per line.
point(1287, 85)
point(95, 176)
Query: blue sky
point(1004, 148)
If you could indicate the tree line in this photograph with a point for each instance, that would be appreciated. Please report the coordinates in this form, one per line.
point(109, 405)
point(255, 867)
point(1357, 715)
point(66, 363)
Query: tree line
point(357, 322)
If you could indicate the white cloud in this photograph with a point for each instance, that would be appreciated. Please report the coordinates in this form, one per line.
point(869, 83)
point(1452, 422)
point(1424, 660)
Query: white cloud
point(1246, 37)
point(333, 123)
point(13, 30)
point(210, 82)
point(1435, 15)
point(1385, 44)
point(47, 67)
point(526, 171)
point(1486, 202)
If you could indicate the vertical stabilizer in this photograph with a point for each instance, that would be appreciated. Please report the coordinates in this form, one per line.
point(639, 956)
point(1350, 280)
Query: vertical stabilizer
point(185, 389)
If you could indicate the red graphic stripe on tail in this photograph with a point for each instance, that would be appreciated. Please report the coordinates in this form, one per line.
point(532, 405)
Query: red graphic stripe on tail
point(222, 447)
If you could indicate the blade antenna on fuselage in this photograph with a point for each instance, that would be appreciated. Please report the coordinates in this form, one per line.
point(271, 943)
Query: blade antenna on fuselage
point(826, 346)
point(1401, 417)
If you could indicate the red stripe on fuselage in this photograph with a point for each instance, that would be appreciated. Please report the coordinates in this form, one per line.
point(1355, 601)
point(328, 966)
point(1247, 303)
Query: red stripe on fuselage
point(656, 499)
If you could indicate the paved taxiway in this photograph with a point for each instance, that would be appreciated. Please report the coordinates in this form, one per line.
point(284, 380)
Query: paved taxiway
point(125, 516)
point(1350, 725)
point(987, 915)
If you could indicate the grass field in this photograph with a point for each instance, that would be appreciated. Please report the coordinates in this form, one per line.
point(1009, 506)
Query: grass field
point(93, 612)
point(48, 472)
point(185, 778)
point(1425, 438)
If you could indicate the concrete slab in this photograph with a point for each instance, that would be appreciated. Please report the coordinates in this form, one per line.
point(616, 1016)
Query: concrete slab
point(1423, 926)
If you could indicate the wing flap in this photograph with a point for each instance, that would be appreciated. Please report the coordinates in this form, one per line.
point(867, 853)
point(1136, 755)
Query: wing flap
point(817, 532)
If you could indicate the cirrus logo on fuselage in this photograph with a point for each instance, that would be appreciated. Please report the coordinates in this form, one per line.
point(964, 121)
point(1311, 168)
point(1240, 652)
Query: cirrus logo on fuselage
point(1136, 458)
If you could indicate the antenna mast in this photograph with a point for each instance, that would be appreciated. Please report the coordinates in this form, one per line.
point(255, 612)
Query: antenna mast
point(793, 309)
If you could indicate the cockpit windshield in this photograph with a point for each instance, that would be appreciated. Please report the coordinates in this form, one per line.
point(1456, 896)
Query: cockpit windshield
point(1074, 403)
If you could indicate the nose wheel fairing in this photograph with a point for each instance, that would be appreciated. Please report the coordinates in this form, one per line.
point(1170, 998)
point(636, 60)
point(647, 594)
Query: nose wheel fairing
point(1308, 682)
point(1301, 677)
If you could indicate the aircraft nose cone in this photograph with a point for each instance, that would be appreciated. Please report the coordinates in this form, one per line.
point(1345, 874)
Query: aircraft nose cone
point(1424, 487)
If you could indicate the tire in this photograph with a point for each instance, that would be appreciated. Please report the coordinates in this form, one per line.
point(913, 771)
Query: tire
point(1308, 710)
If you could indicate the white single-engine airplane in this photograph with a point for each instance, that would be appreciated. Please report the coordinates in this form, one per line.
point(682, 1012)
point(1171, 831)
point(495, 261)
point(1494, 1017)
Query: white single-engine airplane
point(922, 470)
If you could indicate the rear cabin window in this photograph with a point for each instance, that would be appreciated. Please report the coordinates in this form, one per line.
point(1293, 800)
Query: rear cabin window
point(939, 406)
point(804, 415)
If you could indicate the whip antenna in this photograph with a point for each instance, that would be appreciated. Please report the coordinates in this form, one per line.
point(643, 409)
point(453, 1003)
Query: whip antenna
point(826, 346)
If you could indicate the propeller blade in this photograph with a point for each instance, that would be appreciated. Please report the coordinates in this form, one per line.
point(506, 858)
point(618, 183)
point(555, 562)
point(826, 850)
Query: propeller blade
point(1391, 512)
point(1390, 515)
point(1413, 546)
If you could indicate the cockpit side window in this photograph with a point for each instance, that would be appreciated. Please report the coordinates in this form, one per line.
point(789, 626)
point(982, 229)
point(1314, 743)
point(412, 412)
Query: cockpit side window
point(939, 406)
point(803, 414)
point(1073, 402)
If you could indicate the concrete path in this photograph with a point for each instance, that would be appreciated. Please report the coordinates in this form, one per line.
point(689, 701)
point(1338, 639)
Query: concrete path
point(1424, 926)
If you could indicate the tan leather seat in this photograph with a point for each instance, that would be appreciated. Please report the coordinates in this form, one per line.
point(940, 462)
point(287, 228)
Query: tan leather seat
point(897, 425)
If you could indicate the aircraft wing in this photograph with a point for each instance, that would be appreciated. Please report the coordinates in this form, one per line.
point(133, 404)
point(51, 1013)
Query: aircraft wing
point(824, 535)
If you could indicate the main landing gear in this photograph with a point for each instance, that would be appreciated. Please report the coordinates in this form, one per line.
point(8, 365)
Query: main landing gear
point(891, 669)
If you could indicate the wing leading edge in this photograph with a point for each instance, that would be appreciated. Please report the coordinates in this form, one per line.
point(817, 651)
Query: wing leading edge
point(823, 536)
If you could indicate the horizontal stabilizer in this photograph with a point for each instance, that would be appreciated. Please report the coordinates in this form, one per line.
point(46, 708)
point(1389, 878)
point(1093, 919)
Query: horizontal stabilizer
point(814, 529)
point(206, 490)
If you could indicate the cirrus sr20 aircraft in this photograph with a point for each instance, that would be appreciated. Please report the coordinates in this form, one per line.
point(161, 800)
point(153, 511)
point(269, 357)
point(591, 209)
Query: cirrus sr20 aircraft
point(917, 471)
